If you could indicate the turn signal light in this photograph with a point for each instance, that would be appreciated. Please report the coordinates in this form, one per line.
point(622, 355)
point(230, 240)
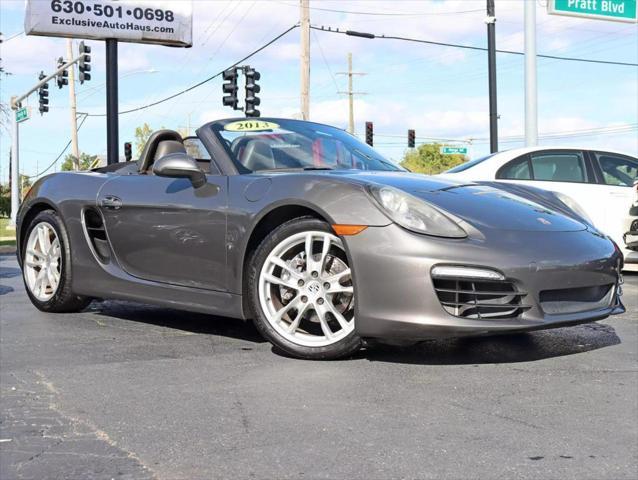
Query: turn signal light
point(349, 229)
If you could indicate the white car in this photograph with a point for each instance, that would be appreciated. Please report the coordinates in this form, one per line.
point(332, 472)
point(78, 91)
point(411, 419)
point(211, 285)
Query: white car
point(601, 183)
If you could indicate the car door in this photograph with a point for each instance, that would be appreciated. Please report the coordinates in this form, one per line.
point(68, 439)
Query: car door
point(165, 230)
point(617, 174)
point(564, 171)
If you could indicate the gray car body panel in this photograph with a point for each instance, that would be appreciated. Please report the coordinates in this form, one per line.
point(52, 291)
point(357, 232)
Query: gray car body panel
point(181, 247)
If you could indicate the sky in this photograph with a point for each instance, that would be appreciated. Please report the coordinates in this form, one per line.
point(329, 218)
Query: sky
point(441, 92)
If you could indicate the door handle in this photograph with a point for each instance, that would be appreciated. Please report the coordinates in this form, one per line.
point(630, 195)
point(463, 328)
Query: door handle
point(111, 202)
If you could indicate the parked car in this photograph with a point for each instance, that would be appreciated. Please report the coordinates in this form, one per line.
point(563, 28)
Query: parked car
point(597, 183)
point(631, 223)
point(314, 236)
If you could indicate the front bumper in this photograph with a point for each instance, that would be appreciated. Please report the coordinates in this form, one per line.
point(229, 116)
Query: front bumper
point(396, 298)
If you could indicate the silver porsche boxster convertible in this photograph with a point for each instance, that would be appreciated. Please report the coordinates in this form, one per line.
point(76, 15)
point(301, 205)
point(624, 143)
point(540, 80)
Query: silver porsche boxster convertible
point(314, 236)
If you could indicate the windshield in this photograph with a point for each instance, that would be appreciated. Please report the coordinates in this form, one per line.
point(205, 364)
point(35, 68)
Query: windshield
point(278, 144)
point(470, 164)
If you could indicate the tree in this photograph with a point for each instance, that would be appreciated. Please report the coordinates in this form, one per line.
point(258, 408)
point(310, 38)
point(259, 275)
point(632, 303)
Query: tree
point(25, 185)
point(428, 159)
point(5, 200)
point(86, 162)
point(141, 136)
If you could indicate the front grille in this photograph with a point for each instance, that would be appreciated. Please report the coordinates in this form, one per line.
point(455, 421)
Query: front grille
point(572, 300)
point(479, 299)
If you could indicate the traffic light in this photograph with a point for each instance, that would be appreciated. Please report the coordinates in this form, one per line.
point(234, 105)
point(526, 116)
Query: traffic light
point(128, 151)
point(411, 138)
point(43, 93)
point(229, 88)
point(84, 65)
point(252, 89)
point(63, 77)
point(369, 133)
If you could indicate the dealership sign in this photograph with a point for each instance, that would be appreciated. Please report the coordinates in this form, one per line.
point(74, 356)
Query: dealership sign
point(160, 21)
point(617, 10)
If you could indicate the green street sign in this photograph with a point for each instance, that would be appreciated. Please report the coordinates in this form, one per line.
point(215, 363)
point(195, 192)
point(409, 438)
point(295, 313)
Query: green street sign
point(454, 150)
point(616, 10)
point(22, 114)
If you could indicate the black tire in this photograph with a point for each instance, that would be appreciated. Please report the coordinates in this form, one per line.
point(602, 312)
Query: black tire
point(63, 300)
point(343, 348)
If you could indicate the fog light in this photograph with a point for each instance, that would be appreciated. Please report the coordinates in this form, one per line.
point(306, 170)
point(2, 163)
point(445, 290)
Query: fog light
point(466, 272)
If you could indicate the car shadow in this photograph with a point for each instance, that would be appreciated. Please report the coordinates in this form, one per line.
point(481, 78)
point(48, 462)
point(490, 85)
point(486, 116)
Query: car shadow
point(505, 348)
point(177, 319)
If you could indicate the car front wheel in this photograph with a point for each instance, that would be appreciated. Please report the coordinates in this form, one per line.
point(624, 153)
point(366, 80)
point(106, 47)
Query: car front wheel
point(301, 291)
point(46, 265)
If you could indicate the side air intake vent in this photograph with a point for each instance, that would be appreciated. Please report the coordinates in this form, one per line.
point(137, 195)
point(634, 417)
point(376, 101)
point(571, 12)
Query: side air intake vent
point(96, 235)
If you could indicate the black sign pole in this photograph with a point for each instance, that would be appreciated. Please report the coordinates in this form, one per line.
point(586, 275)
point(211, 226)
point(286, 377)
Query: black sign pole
point(112, 120)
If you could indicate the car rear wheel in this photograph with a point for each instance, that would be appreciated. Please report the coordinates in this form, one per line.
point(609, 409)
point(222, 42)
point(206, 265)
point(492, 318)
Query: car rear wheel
point(301, 291)
point(46, 261)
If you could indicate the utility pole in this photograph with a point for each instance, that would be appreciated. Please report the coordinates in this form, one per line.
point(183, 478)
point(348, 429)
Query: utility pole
point(305, 58)
point(531, 98)
point(350, 93)
point(75, 149)
point(491, 65)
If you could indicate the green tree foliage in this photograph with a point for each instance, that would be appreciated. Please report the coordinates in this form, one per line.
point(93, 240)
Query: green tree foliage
point(86, 162)
point(5, 200)
point(141, 136)
point(428, 159)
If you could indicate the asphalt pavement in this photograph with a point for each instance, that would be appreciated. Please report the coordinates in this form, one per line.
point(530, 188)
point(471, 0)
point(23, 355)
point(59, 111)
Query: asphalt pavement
point(130, 391)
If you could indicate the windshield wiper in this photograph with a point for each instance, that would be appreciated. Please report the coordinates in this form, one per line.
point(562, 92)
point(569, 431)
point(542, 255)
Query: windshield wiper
point(291, 169)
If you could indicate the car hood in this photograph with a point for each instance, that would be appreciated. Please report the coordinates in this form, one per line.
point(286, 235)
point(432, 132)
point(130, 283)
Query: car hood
point(481, 205)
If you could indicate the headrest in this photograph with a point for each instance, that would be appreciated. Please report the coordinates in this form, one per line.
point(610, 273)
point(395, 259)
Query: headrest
point(258, 156)
point(148, 155)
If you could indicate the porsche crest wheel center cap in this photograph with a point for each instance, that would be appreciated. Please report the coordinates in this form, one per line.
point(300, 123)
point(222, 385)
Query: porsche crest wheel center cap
point(314, 288)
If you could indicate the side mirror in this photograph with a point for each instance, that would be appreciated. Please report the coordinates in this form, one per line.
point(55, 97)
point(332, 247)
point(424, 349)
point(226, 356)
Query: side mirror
point(180, 165)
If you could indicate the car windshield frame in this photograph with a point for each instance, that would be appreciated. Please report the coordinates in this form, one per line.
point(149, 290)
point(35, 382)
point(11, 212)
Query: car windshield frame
point(359, 154)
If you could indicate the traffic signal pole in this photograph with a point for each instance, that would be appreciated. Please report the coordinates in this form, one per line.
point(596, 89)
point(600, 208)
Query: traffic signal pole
point(491, 65)
point(531, 92)
point(15, 149)
point(15, 170)
point(112, 112)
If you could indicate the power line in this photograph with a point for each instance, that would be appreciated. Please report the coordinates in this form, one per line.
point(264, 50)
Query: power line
point(59, 156)
point(385, 14)
point(334, 80)
point(199, 84)
point(466, 47)
point(15, 35)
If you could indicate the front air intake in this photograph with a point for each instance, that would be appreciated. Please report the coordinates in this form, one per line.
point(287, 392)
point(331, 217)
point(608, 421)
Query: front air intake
point(479, 298)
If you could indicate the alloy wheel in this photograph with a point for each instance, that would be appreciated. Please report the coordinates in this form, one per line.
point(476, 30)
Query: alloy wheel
point(306, 291)
point(42, 262)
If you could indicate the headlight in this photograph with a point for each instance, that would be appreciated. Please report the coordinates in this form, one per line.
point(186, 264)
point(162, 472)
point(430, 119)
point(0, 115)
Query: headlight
point(416, 215)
